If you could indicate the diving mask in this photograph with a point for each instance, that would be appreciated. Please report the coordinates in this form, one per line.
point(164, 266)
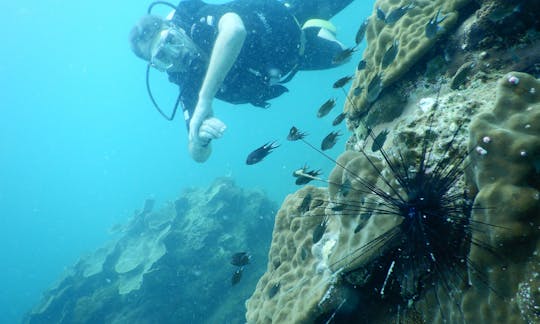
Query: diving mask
point(171, 48)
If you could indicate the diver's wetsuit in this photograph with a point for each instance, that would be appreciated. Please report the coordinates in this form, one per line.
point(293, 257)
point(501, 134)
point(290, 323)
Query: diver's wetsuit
point(273, 48)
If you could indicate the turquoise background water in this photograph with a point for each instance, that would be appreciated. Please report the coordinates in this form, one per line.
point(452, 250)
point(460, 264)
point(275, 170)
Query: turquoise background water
point(81, 147)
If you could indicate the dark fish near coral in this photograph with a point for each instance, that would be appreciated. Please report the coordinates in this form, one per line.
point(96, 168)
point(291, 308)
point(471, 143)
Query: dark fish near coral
point(237, 275)
point(358, 90)
point(240, 259)
point(304, 205)
point(339, 118)
point(319, 231)
point(342, 82)
point(345, 187)
point(304, 176)
point(295, 134)
point(374, 88)
point(307, 176)
point(344, 55)
point(380, 14)
point(273, 290)
point(396, 14)
point(379, 140)
point(432, 27)
point(259, 154)
point(361, 65)
point(330, 140)
point(339, 207)
point(361, 31)
point(326, 107)
point(390, 54)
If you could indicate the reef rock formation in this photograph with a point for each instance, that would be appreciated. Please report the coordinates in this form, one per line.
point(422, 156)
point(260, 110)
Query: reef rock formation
point(455, 105)
point(506, 166)
point(407, 36)
point(170, 265)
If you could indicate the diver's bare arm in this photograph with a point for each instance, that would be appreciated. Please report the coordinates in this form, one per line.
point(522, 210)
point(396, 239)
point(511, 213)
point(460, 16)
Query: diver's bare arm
point(231, 36)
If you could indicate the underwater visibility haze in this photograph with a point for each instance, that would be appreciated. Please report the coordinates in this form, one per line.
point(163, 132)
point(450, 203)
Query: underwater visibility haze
point(81, 147)
point(400, 187)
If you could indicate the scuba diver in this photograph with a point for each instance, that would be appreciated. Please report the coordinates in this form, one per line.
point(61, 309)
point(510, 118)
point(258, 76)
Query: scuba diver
point(242, 51)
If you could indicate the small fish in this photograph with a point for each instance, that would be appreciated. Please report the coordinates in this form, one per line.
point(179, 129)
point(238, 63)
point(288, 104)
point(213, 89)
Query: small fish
point(307, 177)
point(361, 32)
point(374, 88)
point(237, 275)
point(361, 65)
point(357, 91)
point(432, 27)
point(326, 107)
point(338, 208)
point(259, 154)
point(358, 228)
point(379, 140)
point(345, 187)
point(306, 201)
point(380, 14)
point(343, 56)
point(342, 82)
point(396, 14)
point(339, 118)
point(304, 176)
point(240, 259)
point(295, 134)
point(273, 290)
point(390, 54)
point(330, 140)
point(319, 231)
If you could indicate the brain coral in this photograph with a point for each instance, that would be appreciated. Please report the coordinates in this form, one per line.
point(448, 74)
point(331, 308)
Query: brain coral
point(409, 32)
point(507, 174)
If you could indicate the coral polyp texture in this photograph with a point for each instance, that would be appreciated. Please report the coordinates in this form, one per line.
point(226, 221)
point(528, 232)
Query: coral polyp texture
point(407, 35)
point(355, 268)
point(297, 286)
point(507, 175)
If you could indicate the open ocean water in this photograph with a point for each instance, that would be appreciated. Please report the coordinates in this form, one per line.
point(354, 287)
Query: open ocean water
point(81, 146)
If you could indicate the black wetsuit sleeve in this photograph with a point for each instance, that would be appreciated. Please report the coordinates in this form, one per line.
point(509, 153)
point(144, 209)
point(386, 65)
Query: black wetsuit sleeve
point(304, 10)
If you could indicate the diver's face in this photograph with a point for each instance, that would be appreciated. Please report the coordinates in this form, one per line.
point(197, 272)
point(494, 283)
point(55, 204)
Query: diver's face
point(170, 50)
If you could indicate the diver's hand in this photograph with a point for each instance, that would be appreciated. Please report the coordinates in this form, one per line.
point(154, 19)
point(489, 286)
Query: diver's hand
point(211, 128)
point(200, 148)
point(203, 127)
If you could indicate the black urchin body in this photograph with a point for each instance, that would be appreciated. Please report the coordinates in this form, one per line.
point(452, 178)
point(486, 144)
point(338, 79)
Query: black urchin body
point(429, 241)
point(430, 245)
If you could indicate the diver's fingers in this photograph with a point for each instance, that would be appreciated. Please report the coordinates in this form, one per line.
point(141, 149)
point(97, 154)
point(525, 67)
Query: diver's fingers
point(216, 124)
point(213, 128)
point(209, 132)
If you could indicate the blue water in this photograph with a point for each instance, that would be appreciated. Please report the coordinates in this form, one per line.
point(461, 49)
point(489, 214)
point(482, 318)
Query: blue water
point(81, 147)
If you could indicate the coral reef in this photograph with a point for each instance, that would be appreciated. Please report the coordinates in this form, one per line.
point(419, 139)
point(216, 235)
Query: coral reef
point(409, 33)
point(489, 115)
point(506, 169)
point(169, 265)
point(297, 286)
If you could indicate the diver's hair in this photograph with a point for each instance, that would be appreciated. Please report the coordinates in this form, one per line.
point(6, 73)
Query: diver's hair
point(145, 30)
